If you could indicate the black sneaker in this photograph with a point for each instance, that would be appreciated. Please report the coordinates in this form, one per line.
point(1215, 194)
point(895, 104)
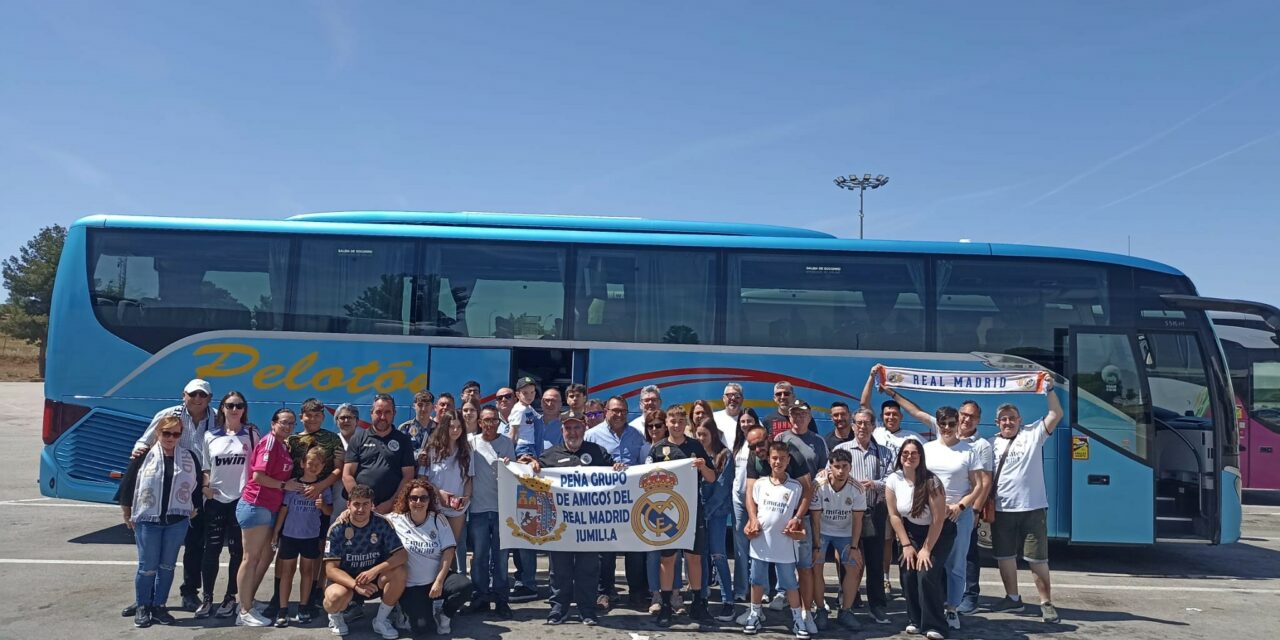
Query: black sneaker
point(141, 617)
point(479, 605)
point(1007, 605)
point(354, 611)
point(726, 613)
point(129, 611)
point(523, 594)
point(205, 610)
point(271, 611)
point(665, 614)
point(282, 619)
point(590, 621)
point(304, 614)
point(699, 612)
point(190, 602)
point(161, 615)
point(228, 608)
point(502, 610)
point(877, 614)
point(557, 618)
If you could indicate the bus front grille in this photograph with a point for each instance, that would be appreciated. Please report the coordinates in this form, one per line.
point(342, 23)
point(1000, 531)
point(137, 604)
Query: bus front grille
point(99, 446)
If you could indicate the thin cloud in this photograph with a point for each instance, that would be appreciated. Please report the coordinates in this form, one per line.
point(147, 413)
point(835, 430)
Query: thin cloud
point(1155, 138)
point(1184, 172)
point(74, 166)
point(342, 39)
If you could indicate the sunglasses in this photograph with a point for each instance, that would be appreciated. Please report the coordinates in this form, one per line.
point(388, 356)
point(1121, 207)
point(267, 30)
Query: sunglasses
point(763, 444)
point(233, 405)
point(346, 417)
point(416, 498)
point(171, 434)
point(733, 396)
point(781, 394)
point(910, 454)
point(948, 425)
point(595, 414)
point(198, 394)
point(506, 396)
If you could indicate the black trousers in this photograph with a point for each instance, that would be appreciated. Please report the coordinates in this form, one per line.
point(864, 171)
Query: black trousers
point(220, 529)
point(873, 557)
point(636, 570)
point(926, 591)
point(571, 581)
point(971, 568)
point(193, 555)
point(418, 605)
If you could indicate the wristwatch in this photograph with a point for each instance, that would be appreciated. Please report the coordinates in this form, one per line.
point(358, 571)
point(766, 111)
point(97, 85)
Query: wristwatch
point(963, 506)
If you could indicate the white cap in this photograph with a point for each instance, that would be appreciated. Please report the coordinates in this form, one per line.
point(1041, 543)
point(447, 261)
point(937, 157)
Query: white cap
point(198, 385)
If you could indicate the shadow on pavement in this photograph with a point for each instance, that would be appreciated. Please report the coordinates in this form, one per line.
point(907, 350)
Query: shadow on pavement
point(118, 534)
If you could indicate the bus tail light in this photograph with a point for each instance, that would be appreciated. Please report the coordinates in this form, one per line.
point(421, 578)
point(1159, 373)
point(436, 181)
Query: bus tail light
point(58, 417)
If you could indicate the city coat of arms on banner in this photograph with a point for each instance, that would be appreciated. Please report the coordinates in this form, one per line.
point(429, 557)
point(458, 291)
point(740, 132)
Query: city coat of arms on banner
point(536, 519)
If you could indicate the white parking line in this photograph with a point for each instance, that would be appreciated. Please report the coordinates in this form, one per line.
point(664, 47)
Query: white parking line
point(63, 505)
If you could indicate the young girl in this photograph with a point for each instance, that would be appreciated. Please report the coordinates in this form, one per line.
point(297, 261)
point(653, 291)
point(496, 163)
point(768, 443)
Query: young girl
point(445, 460)
point(700, 411)
point(297, 533)
point(718, 503)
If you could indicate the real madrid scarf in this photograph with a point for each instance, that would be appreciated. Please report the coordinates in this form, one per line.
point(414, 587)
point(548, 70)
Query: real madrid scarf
point(964, 381)
point(150, 487)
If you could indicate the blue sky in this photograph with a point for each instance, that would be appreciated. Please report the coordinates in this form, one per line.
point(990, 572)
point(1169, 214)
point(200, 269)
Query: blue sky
point(1081, 124)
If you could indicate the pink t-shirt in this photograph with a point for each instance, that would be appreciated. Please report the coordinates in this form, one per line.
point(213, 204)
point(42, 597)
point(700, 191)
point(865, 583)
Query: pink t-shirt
point(271, 457)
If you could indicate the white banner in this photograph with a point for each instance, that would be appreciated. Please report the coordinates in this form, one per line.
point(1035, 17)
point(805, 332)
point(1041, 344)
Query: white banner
point(642, 508)
point(965, 381)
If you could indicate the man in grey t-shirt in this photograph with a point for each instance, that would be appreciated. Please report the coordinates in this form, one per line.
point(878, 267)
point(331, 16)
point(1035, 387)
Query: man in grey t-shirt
point(488, 562)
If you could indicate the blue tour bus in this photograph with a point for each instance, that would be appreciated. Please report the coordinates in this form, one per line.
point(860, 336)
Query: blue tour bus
point(341, 306)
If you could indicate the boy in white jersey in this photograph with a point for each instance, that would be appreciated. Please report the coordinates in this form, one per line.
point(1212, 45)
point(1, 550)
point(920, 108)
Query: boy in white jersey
point(842, 504)
point(775, 532)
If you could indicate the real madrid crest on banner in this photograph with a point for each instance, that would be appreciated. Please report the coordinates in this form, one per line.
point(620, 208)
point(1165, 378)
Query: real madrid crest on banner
point(660, 516)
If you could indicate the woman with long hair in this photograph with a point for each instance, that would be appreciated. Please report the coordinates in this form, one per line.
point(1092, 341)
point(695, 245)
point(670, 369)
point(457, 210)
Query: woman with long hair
point(158, 498)
point(655, 430)
point(445, 460)
point(700, 411)
point(271, 469)
point(470, 411)
point(719, 506)
point(748, 419)
point(226, 453)
point(433, 590)
point(918, 515)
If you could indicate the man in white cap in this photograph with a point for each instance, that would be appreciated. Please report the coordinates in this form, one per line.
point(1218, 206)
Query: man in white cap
point(196, 420)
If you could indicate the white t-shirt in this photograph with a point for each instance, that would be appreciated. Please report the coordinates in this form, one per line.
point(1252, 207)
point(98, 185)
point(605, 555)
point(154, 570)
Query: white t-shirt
point(520, 420)
point(952, 466)
point(637, 423)
point(893, 441)
point(740, 474)
point(484, 485)
point(775, 505)
point(838, 507)
point(1020, 486)
point(446, 474)
point(904, 493)
point(225, 457)
point(728, 426)
point(425, 544)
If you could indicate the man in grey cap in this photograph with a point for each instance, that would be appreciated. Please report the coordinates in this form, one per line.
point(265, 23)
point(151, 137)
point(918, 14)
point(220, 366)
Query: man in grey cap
point(196, 420)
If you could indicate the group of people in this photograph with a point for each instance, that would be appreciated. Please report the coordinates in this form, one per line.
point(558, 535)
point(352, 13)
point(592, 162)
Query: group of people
point(387, 512)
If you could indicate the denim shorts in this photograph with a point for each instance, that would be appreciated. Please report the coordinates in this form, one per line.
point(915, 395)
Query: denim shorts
point(804, 550)
point(840, 544)
point(786, 574)
point(252, 516)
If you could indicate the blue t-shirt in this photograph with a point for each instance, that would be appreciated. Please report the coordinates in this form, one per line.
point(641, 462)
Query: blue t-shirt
point(302, 521)
point(358, 549)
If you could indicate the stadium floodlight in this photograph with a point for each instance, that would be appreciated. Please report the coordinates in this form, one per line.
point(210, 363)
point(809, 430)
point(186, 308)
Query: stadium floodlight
point(852, 182)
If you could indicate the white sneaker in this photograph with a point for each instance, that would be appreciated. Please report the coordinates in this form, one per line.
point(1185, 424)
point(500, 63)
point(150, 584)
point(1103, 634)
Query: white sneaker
point(953, 619)
point(252, 619)
point(399, 619)
point(742, 619)
point(934, 635)
point(799, 630)
point(442, 624)
point(338, 625)
point(754, 622)
point(779, 602)
point(810, 625)
point(384, 628)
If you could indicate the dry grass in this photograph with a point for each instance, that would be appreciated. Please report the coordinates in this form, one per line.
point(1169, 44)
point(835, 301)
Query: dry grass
point(18, 361)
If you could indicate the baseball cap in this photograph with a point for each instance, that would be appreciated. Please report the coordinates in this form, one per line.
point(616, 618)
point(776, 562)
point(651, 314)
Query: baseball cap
point(198, 385)
point(572, 417)
point(524, 382)
point(799, 404)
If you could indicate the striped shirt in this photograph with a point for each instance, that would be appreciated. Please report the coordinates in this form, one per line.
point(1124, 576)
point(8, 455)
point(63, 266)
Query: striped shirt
point(874, 463)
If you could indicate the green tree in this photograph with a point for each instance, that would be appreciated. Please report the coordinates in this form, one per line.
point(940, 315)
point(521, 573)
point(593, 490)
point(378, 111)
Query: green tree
point(29, 278)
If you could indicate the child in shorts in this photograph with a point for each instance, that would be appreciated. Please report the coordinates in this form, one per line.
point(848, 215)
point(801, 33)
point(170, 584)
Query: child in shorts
point(775, 532)
point(842, 503)
point(298, 534)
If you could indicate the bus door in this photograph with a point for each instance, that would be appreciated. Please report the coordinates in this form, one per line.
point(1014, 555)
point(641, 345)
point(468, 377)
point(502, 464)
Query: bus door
point(453, 367)
point(1112, 439)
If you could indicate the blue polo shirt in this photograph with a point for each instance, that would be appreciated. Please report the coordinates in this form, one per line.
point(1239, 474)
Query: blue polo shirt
point(625, 448)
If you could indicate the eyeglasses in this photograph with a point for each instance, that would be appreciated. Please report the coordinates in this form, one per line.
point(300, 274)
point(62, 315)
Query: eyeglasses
point(595, 414)
point(417, 498)
point(489, 419)
point(346, 417)
point(865, 423)
point(733, 396)
point(286, 423)
point(781, 394)
point(506, 396)
point(171, 434)
point(198, 394)
point(233, 406)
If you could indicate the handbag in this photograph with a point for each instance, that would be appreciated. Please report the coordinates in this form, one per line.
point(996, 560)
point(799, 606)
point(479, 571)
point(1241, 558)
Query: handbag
point(988, 514)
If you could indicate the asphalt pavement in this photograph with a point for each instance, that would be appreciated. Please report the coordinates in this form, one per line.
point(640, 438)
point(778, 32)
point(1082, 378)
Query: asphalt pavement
point(68, 570)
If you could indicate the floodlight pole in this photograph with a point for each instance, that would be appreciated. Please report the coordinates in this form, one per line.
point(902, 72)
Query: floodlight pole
point(861, 184)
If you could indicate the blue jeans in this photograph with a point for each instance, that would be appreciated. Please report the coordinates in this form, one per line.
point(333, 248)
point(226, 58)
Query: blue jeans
point(651, 561)
point(741, 557)
point(956, 564)
point(526, 568)
point(488, 562)
point(716, 559)
point(158, 546)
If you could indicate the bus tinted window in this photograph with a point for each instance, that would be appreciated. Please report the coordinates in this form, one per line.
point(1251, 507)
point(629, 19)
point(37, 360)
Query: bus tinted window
point(152, 288)
point(630, 295)
point(1015, 307)
point(353, 285)
point(495, 291)
point(826, 302)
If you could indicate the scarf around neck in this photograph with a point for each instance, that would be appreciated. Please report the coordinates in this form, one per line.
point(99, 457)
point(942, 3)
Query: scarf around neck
point(149, 490)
